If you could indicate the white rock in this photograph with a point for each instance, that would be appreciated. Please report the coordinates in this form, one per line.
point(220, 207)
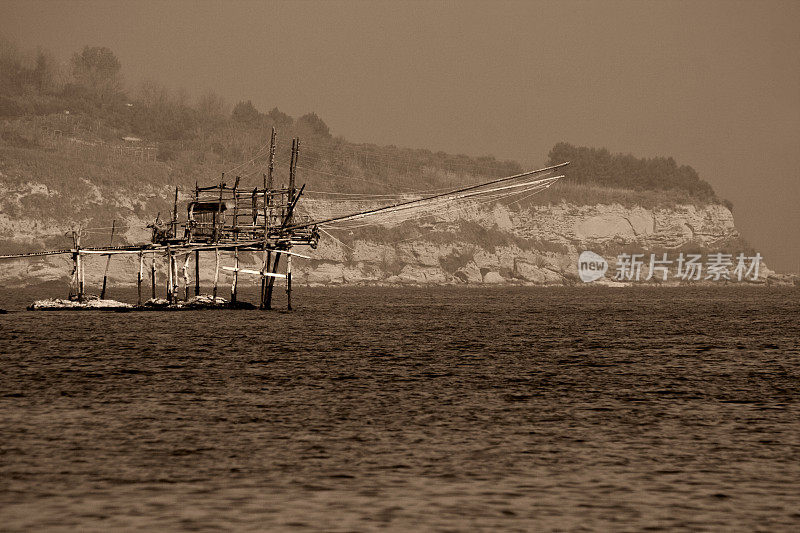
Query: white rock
point(493, 278)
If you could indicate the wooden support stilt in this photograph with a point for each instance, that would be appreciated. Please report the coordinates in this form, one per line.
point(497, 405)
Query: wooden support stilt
point(73, 284)
point(76, 286)
point(216, 273)
point(292, 161)
point(265, 268)
point(266, 285)
point(153, 276)
point(108, 262)
point(254, 206)
point(139, 279)
point(197, 272)
point(175, 215)
point(175, 278)
point(236, 209)
point(271, 167)
point(218, 220)
point(263, 294)
point(169, 275)
point(289, 282)
point(81, 278)
point(235, 281)
point(271, 282)
point(186, 276)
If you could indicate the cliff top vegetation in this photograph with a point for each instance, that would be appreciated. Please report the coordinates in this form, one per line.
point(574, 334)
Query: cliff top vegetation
point(80, 118)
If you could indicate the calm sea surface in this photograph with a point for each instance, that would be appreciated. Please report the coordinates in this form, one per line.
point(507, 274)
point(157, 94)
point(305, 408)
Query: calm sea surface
point(410, 409)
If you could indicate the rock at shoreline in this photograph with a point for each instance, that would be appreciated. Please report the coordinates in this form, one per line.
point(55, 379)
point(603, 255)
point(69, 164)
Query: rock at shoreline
point(57, 304)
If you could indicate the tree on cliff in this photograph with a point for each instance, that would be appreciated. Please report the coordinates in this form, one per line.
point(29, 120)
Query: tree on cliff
point(97, 69)
point(24, 73)
point(313, 124)
point(245, 112)
point(593, 165)
point(211, 108)
point(279, 119)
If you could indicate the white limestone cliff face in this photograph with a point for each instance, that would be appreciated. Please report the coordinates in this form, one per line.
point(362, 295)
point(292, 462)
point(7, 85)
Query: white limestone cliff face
point(531, 246)
point(474, 244)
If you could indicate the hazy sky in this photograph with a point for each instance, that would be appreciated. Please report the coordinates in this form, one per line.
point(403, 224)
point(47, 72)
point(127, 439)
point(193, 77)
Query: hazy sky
point(714, 84)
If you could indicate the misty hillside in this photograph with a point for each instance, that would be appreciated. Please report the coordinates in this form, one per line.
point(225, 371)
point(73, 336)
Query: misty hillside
point(76, 145)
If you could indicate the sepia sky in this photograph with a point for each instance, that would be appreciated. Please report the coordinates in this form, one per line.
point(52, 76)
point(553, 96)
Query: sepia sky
point(714, 84)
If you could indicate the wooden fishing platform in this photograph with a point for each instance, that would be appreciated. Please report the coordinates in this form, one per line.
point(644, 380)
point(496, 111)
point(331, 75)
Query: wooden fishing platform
point(219, 218)
point(224, 218)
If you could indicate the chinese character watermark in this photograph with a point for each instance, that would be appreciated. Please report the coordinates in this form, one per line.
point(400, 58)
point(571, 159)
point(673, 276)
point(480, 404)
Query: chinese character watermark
point(660, 267)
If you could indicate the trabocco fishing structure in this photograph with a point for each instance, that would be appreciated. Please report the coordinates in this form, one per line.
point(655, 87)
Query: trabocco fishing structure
point(266, 221)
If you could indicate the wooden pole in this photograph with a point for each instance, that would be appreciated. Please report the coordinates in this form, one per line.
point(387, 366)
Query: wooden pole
point(169, 275)
point(235, 275)
point(153, 276)
point(272, 139)
point(236, 209)
point(78, 264)
point(217, 222)
point(108, 262)
point(216, 273)
point(254, 207)
point(292, 162)
point(362, 214)
point(175, 278)
point(289, 282)
point(266, 211)
point(269, 184)
point(139, 279)
point(186, 276)
point(265, 268)
point(73, 285)
point(79, 270)
point(271, 282)
point(197, 272)
point(294, 173)
point(189, 228)
point(175, 215)
point(81, 281)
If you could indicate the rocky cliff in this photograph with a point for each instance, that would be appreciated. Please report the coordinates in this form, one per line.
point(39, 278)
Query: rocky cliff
point(484, 244)
point(477, 243)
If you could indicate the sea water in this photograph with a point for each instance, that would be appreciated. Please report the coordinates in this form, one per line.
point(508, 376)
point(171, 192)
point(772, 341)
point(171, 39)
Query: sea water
point(414, 409)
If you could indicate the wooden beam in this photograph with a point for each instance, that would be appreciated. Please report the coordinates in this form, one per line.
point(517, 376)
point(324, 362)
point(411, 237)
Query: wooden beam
point(362, 214)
